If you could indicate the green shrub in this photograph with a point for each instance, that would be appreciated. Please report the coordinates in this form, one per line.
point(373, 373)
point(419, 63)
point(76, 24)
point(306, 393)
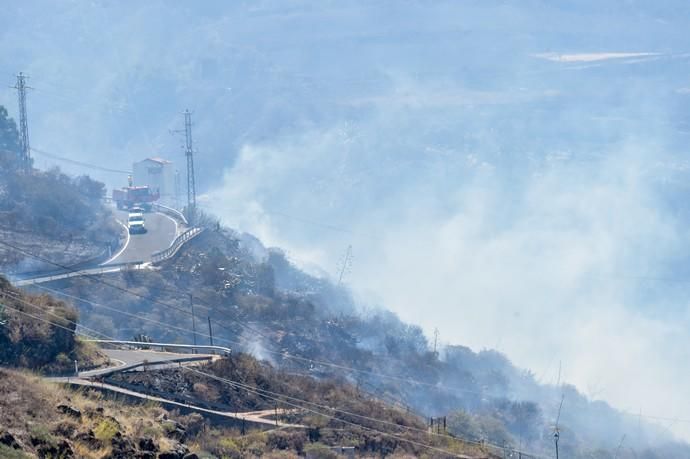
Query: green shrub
point(41, 434)
point(320, 451)
point(106, 430)
point(9, 453)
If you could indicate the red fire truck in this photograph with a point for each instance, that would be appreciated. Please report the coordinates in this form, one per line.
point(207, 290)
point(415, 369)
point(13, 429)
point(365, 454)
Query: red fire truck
point(135, 196)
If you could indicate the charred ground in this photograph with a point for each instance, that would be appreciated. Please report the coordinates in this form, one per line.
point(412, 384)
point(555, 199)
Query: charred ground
point(258, 302)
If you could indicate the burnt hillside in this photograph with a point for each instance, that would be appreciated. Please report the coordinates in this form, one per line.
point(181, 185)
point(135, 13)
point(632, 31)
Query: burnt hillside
point(260, 303)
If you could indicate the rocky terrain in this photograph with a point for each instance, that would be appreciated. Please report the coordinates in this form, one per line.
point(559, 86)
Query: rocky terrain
point(37, 332)
point(258, 302)
point(45, 418)
point(41, 419)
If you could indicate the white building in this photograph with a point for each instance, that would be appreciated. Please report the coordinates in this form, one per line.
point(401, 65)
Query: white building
point(158, 174)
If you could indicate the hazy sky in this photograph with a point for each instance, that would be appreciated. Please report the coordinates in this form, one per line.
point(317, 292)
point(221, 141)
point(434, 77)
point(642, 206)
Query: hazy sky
point(498, 175)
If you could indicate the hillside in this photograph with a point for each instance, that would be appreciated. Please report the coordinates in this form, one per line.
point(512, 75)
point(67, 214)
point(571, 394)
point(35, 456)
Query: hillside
point(258, 302)
point(481, 209)
point(49, 213)
point(37, 332)
point(40, 418)
point(334, 412)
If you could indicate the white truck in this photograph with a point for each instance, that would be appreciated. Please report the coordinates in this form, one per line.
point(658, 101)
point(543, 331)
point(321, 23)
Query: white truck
point(135, 222)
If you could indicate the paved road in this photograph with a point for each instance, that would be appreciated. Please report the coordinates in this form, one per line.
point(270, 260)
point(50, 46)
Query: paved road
point(128, 358)
point(162, 230)
point(254, 417)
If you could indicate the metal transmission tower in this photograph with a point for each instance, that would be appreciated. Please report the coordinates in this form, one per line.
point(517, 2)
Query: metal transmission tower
point(189, 153)
point(24, 147)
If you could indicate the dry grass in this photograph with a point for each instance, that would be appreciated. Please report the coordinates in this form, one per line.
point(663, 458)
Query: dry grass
point(39, 334)
point(28, 408)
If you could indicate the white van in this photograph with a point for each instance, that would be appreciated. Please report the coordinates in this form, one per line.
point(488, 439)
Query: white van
point(135, 223)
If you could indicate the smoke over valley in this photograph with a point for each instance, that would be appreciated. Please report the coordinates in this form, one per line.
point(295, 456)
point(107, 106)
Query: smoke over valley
point(513, 174)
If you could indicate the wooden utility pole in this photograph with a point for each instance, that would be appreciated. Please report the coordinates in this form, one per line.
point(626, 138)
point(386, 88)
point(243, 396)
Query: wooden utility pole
point(210, 330)
point(191, 305)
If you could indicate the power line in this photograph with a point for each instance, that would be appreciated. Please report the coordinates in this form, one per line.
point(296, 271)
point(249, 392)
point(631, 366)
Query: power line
point(208, 306)
point(249, 389)
point(79, 163)
point(281, 400)
point(657, 418)
point(246, 387)
point(144, 297)
point(74, 332)
point(286, 355)
point(259, 393)
point(76, 324)
point(327, 226)
point(119, 311)
point(270, 351)
point(91, 277)
point(267, 393)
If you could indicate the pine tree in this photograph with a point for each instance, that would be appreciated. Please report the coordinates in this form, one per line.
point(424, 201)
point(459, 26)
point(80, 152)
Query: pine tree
point(9, 141)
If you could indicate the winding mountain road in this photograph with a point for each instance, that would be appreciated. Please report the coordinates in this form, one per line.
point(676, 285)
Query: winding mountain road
point(137, 249)
point(161, 232)
point(129, 359)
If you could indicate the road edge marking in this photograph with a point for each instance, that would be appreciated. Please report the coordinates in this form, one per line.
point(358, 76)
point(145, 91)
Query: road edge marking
point(122, 249)
point(177, 226)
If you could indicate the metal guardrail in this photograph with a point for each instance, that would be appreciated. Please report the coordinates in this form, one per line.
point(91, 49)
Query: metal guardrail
point(224, 350)
point(81, 265)
point(170, 211)
point(160, 208)
point(115, 267)
point(81, 268)
point(176, 245)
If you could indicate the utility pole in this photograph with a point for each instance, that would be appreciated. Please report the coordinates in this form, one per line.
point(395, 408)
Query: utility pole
point(436, 333)
point(189, 153)
point(210, 330)
point(177, 189)
point(347, 264)
point(618, 450)
point(557, 431)
point(191, 305)
point(24, 147)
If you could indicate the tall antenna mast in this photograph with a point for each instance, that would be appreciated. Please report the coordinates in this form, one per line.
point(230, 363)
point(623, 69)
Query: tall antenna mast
point(24, 147)
point(189, 153)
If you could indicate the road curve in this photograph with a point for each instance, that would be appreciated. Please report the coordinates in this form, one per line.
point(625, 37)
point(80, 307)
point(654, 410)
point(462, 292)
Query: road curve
point(130, 358)
point(249, 417)
point(161, 232)
point(138, 248)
